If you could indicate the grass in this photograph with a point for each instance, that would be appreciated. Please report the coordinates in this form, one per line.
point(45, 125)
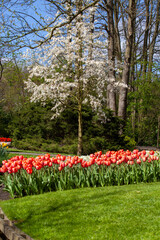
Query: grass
point(113, 213)
point(26, 151)
point(16, 152)
point(10, 155)
point(20, 151)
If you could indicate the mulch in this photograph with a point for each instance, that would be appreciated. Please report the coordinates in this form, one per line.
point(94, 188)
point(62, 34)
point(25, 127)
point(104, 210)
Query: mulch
point(3, 194)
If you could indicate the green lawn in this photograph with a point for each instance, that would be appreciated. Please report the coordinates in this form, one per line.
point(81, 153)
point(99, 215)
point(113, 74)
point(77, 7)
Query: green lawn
point(25, 155)
point(13, 153)
point(20, 151)
point(113, 213)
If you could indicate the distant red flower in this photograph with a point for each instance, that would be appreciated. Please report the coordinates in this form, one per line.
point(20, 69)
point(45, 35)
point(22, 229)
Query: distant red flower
point(2, 139)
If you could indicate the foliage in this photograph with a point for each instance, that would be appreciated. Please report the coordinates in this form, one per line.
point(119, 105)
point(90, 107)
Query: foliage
point(28, 176)
point(5, 119)
point(33, 129)
point(129, 142)
point(143, 111)
point(31, 120)
point(33, 144)
point(12, 90)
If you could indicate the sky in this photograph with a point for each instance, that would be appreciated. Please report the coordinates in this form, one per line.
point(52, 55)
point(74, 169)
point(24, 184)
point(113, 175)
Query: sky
point(37, 15)
point(19, 17)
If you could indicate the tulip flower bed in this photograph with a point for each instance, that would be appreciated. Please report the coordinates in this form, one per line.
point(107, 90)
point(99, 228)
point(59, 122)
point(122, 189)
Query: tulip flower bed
point(27, 176)
point(2, 139)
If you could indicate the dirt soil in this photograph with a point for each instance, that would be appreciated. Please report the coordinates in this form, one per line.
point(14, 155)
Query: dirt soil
point(3, 194)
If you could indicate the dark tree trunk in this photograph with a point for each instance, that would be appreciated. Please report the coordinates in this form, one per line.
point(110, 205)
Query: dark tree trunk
point(127, 60)
point(80, 83)
point(111, 57)
point(155, 34)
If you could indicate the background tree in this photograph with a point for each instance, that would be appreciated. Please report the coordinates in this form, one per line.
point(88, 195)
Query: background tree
point(80, 83)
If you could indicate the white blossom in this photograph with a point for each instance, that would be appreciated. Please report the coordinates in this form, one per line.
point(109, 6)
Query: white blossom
point(74, 58)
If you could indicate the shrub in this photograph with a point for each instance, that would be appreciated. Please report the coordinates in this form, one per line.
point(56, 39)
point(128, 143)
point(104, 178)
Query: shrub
point(50, 147)
point(129, 143)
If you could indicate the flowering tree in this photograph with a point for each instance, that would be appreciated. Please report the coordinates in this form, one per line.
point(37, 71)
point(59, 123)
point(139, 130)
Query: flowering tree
point(72, 65)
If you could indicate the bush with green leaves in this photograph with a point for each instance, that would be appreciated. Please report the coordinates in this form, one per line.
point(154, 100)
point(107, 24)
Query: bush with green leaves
point(32, 128)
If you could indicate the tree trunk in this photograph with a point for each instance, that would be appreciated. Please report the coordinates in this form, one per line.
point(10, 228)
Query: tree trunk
point(153, 41)
point(79, 151)
point(117, 42)
point(69, 14)
point(111, 58)
point(127, 61)
point(158, 132)
point(145, 42)
point(92, 18)
point(132, 83)
point(79, 73)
